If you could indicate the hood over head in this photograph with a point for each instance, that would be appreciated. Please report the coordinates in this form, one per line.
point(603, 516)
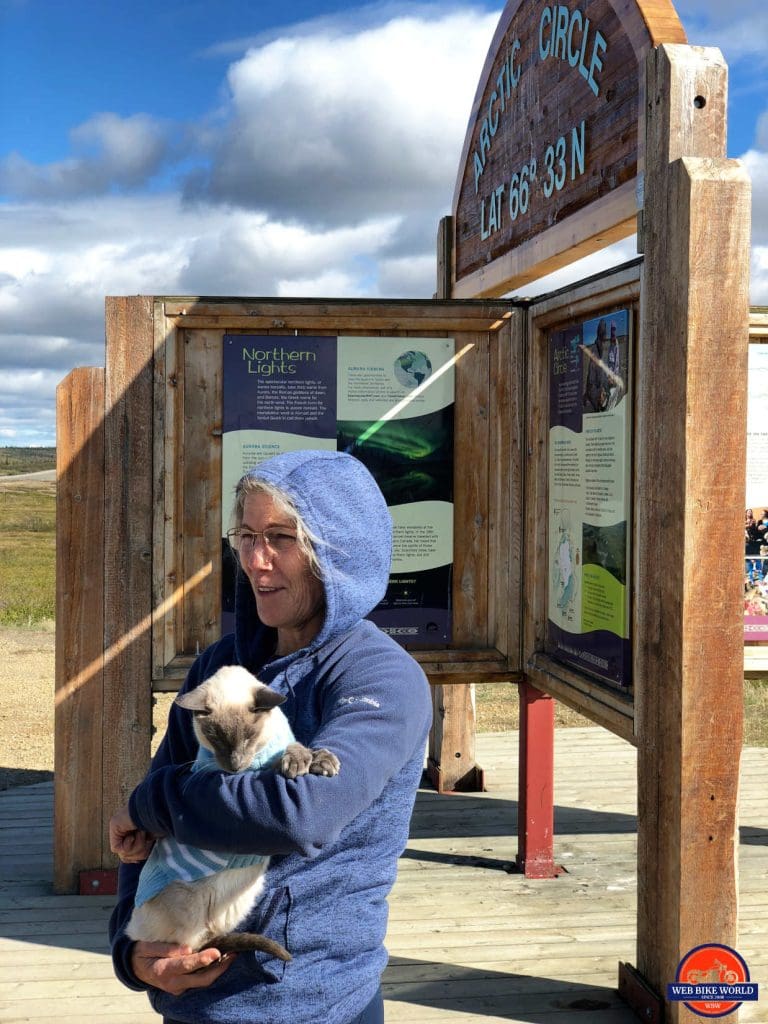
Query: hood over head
point(344, 510)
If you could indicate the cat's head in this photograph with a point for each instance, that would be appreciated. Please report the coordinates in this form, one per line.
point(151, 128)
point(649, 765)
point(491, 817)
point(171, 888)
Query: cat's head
point(232, 715)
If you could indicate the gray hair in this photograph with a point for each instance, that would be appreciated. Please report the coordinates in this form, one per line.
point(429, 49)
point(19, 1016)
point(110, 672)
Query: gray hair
point(305, 539)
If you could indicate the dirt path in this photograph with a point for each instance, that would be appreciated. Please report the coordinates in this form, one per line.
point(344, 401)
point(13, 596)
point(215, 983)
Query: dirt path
point(41, 476)
point(26, 705)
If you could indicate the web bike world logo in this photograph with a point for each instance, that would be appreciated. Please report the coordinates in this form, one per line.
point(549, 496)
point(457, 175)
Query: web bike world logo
point(712, 980)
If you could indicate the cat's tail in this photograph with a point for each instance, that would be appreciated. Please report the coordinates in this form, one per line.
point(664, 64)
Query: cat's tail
point(244, 942)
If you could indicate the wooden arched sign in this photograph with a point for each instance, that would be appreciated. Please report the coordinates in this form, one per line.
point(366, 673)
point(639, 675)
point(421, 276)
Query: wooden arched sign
point(551, 168)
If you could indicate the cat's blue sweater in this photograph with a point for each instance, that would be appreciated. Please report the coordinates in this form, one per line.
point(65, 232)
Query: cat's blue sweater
point(172, 861)
point(333, 842)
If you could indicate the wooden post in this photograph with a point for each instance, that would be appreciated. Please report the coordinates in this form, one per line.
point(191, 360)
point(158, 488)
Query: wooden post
point(452, 737)
point(444, 258)
point(451, 763)
point(692, 365)
point(128, 516)
point(79, 622)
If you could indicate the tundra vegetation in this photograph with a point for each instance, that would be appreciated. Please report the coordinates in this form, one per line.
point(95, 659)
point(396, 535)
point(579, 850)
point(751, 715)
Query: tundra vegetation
point(27, 552)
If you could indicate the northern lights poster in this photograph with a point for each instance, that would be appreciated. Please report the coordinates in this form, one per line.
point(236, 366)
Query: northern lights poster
point(387, 401)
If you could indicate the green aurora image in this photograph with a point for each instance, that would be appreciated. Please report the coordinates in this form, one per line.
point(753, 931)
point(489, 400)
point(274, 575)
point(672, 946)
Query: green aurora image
point(411, 459)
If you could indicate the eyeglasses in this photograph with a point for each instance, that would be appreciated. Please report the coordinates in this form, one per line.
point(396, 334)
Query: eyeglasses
point(276, 541)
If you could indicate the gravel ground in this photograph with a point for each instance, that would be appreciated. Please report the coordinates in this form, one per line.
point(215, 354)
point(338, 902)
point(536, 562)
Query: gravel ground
point(26, 705)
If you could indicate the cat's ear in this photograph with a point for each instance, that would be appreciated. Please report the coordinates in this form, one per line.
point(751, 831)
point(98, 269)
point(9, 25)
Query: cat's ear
point(265, 699)
point(193, 701)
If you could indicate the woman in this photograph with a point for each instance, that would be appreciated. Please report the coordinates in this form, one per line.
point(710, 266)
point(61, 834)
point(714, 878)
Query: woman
point(313, 536)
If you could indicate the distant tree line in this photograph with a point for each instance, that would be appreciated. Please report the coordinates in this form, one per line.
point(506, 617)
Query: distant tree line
point(26, 460)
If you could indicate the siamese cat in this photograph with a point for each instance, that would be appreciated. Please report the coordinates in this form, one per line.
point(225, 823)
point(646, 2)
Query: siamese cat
point(198, 897)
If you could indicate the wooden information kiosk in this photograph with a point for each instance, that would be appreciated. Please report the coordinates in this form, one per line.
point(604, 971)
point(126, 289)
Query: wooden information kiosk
point(598, 465)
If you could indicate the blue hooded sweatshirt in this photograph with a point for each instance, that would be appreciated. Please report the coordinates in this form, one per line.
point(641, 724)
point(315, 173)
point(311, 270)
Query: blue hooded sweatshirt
point(334, 842)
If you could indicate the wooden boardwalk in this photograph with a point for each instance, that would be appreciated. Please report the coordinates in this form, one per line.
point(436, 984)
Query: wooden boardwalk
point(470, 942)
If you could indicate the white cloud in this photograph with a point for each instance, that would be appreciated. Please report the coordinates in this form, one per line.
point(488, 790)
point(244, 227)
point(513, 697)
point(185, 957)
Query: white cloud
point(759, 280)
point(336, 127)
point(745, 39)
point(408, 276)
point(91, 250)
point(756, 164)
point(52, 285)
point(761, 132)
point(19, 261)
point(329, 283)
point(27, 409)
point(21, 352)
point(130, 149)
point(111, 152)
point(739, 27)
point(236, 252)
point(27, 380)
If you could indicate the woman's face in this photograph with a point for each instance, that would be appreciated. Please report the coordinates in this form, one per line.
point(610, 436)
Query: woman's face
point(288, 596)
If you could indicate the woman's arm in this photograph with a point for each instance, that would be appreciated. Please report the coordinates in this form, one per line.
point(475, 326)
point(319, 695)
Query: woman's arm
point(376, 713)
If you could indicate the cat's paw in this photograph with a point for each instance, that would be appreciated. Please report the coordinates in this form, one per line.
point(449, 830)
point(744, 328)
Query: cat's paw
point(324, 763)
point(297, 760)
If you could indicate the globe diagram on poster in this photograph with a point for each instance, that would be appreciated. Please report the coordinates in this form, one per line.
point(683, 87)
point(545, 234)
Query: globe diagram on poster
point(412, 369)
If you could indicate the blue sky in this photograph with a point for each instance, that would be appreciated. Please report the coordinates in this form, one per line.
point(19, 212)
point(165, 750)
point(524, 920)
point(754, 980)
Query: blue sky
point(305, 148)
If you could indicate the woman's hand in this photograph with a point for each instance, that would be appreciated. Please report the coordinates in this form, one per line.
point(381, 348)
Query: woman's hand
point(131, 844)
point(174, 969)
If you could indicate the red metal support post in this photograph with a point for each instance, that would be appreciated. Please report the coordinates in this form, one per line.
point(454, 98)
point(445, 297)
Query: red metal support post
point(536, 809)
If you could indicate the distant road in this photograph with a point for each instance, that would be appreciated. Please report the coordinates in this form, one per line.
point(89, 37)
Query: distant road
point(20, 478)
